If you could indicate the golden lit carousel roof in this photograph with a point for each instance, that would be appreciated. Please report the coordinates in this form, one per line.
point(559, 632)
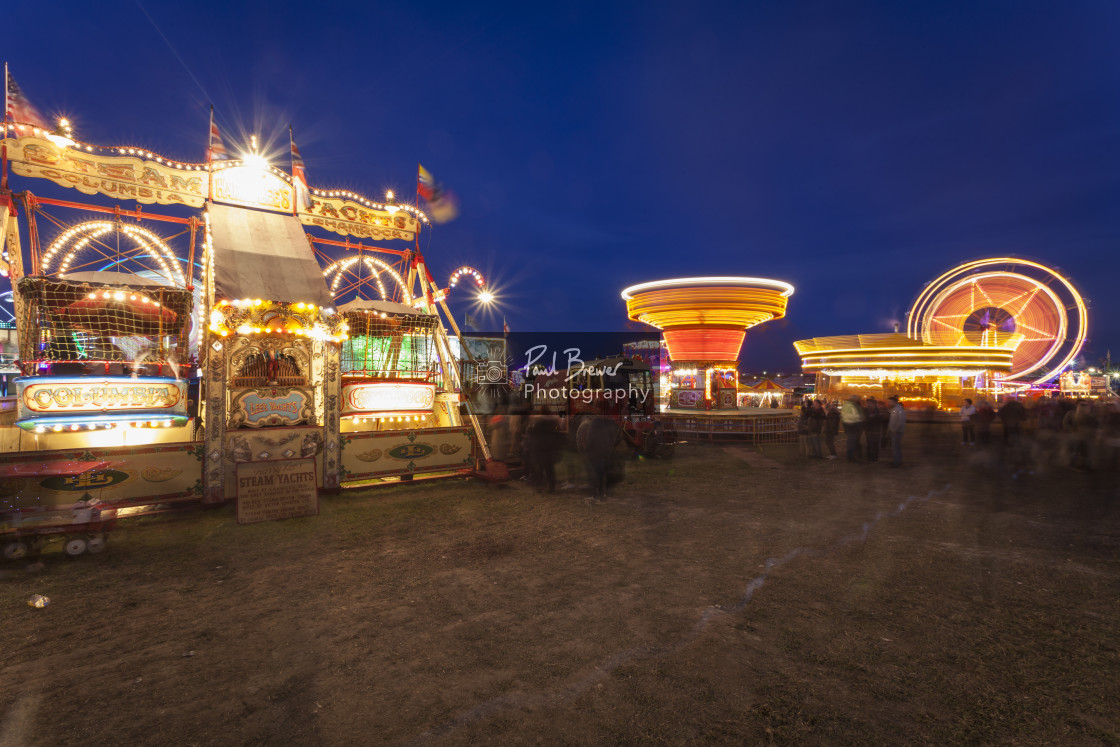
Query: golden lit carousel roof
point(740, 302)
point(896, 351)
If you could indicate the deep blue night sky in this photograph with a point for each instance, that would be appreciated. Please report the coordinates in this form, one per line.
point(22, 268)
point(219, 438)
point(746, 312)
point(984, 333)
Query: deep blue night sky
point(854, 150)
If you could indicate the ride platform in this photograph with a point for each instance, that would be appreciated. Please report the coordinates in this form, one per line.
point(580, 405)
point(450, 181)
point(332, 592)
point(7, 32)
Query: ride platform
point(759, 425)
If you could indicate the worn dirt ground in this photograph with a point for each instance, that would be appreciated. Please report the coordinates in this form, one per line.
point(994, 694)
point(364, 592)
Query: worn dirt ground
point(713, 599)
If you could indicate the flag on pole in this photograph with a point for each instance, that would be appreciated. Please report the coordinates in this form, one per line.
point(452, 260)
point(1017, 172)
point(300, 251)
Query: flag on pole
point(16, 106)
point(299, 175)
point(470, 322)
point(505, 327)
point(217, 150)
point(442, 203)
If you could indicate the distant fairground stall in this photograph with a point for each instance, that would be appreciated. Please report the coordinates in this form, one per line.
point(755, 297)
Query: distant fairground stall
point(219, 347)
point(983, 329)
point(704, 322)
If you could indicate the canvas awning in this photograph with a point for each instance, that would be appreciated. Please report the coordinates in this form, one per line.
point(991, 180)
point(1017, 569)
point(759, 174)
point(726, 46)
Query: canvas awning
point(264, 255)
point(387, 307)
point(768, 385)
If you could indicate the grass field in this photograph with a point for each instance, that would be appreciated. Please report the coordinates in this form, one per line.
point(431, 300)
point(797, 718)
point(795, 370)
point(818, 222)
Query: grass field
point(726, 596)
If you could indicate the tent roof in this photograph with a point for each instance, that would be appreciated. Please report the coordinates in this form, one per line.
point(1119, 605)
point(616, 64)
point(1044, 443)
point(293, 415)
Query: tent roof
point(106, 277)
point(768, 385)
point(258, 254)
point(389, 307)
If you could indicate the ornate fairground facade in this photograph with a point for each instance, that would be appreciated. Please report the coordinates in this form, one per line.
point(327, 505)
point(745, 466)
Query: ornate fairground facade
point(214, 331)
point(985, 328)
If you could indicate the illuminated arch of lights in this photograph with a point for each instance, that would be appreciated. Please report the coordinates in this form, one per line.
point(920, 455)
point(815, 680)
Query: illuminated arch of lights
point(986, 301)
point(375, 266)
point(705, 318)
point(68, 245)
point(466, 271)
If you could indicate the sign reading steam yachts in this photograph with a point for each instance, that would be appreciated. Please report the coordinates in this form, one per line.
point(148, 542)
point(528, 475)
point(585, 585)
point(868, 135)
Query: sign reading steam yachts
point(53, 395)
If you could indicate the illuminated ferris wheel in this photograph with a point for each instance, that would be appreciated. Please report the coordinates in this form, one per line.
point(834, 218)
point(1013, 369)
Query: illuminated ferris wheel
point(1005, 301)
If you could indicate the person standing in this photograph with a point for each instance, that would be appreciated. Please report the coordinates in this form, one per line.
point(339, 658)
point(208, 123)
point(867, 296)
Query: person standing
point(873, 429)
point(968, 427)
point(816, 423)
point(852, 416)
point(896, 426)
point(1012, 413)
point(984, 417)
point(803, 428)
point(831, 428)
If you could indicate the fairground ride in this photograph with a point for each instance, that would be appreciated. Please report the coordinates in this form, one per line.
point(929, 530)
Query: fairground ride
point(704, 322)
point(125, 310)
point(988, 301)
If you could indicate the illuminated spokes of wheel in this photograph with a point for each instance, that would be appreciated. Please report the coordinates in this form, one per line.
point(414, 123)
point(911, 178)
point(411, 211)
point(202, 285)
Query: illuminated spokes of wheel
point(352, 273)
point(94, 244)
point(1005, 301)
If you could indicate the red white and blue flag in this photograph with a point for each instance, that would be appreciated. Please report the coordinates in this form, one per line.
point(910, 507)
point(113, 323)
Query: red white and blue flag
point(217, 150)
point(16, 106)
point(299, 175)
point(442, 204)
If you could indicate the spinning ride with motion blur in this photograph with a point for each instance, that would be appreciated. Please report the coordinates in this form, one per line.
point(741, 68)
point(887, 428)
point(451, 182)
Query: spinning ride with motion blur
point(704, 321)
point(984, 328)
point(161, 367)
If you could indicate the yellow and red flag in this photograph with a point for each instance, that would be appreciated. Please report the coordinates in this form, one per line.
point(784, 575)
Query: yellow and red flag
point(442, 204)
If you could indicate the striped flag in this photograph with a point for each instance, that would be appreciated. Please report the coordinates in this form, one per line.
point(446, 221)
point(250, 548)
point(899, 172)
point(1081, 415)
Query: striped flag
point(299, 175)
point(16, 106)
point(442, 203)
point(218, 150)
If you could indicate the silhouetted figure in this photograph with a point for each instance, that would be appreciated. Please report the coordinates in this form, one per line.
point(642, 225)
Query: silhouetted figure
point(984, 417)
point(875, 419)
point(803, 428)
point(816, 424)
point(543, 445)
point(851, 414)
point(1012, 414)
point(596, 440)
point(896, 426)
point(968, 423)
point(831, 428)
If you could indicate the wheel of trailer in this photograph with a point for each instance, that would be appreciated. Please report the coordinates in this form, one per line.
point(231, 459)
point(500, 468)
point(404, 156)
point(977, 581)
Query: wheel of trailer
point(96, 542)
point(15, 550)
point(75, 546)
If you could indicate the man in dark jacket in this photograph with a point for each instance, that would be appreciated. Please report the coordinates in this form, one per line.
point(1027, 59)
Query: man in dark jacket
point(1011, 414)
point(831, 428)
point(852, 415)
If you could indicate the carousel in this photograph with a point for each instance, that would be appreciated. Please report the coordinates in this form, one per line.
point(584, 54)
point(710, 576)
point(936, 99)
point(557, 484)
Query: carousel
point(226, 334)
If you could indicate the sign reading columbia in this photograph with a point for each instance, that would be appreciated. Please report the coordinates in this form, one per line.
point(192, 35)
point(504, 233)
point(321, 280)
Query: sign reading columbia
point(127, 177)
point(70, 395)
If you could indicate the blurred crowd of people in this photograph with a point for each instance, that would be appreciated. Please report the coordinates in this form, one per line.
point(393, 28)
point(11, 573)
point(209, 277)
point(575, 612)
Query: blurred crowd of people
point(870, 427)
point(1080, 434)
point(1083, 434)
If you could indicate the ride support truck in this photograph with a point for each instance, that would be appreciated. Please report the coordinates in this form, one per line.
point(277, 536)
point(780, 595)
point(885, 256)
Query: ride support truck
point(24, 529)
